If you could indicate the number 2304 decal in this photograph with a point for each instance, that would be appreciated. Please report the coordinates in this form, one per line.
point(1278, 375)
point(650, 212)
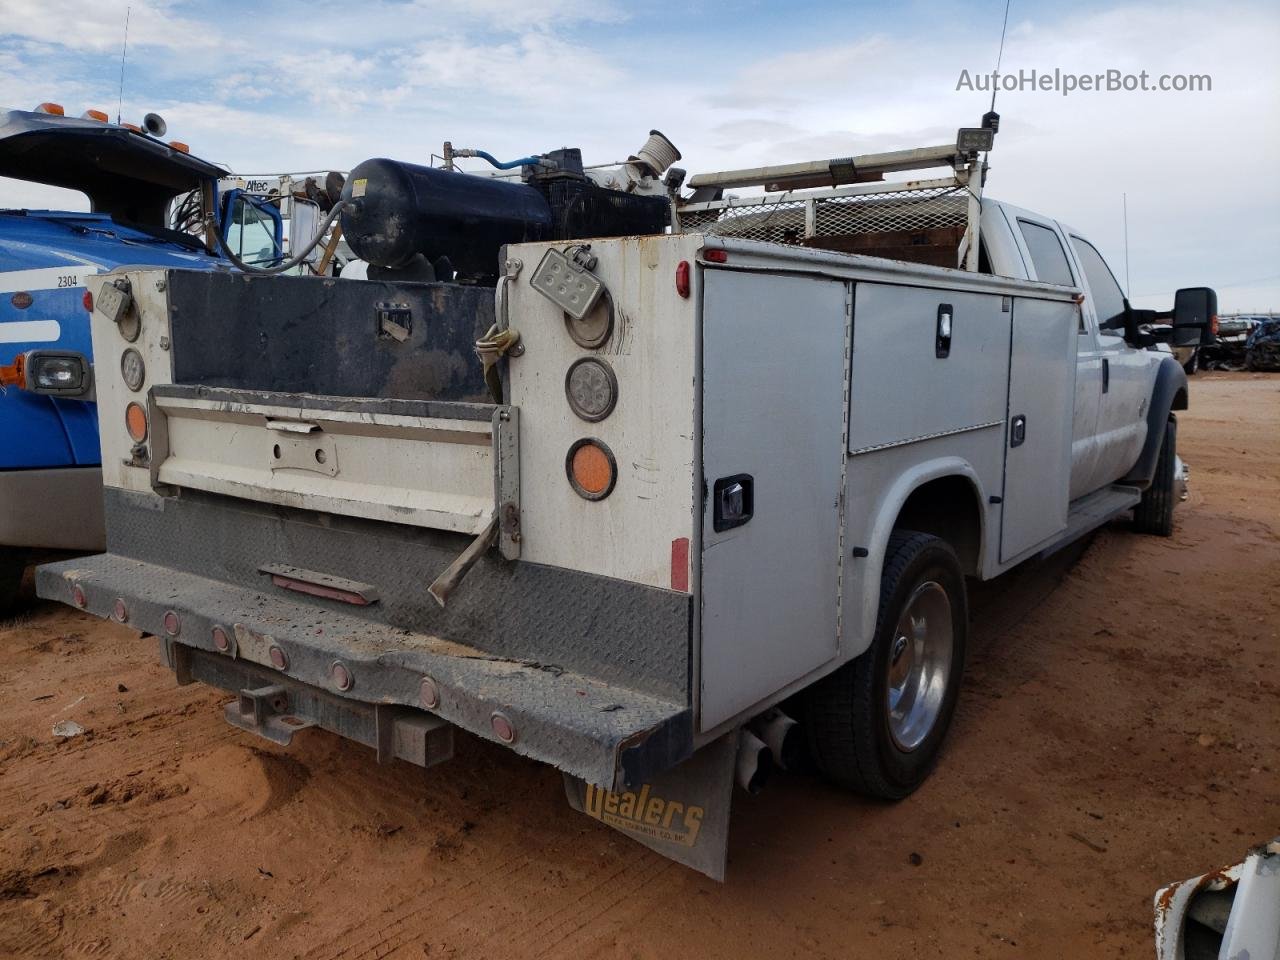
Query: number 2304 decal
point(68, 280)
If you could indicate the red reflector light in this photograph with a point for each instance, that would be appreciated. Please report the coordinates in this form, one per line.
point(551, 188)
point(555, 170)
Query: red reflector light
point(221, 642)
point(682, 278)
point(87, 300)
point(680, 564)
point(715, 256)
point(1213, 324)
point(503, 728)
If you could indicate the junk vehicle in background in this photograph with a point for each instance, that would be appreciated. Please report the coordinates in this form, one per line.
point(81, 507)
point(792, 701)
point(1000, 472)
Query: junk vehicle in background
point(1262, 348)
point(644, 481)
point(1226, 350)
point(50, 480)
point(265, 219)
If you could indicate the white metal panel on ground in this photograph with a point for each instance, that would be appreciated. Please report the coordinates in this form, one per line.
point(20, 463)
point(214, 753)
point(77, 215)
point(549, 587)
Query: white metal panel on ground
point(1037, 476)
point(773, 408)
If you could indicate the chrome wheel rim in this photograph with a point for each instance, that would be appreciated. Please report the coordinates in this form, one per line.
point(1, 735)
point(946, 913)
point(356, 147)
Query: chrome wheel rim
point(919, 665)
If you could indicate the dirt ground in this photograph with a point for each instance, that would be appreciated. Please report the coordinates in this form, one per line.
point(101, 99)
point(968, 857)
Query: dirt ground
point(1119, 730)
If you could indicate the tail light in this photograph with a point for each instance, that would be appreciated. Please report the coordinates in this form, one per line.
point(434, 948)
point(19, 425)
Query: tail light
point(1213, 324)
point(682, 279)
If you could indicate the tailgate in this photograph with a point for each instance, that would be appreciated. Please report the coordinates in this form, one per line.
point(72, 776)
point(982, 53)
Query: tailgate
point(444, 465)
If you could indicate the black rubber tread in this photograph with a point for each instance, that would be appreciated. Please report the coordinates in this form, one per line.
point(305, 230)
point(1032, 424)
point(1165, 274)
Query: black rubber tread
point(1154, 513)
point(13, 564)
point(844, 715)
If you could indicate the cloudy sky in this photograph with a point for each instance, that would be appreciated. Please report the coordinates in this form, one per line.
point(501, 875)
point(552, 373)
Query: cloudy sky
point(275, 87)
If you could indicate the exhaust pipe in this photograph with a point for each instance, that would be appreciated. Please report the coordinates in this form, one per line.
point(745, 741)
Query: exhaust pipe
point(781, 735)
point(755, 762)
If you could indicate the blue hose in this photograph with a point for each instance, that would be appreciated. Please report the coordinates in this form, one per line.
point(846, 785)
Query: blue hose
point(523, 161)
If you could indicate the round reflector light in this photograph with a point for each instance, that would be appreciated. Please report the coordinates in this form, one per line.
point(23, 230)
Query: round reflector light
point(132, 369)
point(135, 421)
point(591, 388)
point(592, 468)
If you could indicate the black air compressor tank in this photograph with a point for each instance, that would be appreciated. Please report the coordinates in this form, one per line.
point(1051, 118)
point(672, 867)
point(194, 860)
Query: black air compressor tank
point(399, 210)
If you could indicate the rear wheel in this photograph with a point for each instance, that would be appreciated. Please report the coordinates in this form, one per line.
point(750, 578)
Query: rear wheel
point(13, 564)
point(877, 724)
point(1154, 513)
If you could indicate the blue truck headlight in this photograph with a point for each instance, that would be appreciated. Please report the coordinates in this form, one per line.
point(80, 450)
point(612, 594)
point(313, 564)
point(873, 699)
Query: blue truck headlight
point(55, 373)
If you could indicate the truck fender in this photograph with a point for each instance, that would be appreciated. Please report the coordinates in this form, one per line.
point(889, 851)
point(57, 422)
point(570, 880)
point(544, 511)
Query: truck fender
point(1169, 393)
point(860, 622)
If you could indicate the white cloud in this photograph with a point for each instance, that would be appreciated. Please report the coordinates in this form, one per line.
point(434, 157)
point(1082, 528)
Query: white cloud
point(318, 85)
point(100, 26)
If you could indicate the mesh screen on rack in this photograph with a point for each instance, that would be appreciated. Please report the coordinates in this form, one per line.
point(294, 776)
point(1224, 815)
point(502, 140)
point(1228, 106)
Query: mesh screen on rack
point(783, 221)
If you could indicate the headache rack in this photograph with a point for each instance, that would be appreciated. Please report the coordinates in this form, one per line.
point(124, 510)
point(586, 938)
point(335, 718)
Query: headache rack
point(846, 204)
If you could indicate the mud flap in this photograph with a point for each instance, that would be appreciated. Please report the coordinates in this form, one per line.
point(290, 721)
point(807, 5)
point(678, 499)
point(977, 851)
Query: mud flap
point(682, 813)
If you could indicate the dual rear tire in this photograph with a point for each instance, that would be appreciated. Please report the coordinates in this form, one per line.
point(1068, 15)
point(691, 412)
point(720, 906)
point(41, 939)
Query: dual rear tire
point(877, 724)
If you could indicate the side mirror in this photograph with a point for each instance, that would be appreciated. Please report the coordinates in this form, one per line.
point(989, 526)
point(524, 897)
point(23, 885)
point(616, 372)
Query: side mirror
point(1195, 317)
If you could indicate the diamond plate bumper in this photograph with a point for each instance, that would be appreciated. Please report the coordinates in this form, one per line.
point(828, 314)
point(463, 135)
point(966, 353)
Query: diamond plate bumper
point(605, 734)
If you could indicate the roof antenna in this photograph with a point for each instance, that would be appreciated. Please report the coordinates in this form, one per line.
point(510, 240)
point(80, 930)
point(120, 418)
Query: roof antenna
point(1124, 198)
point(991, 119)
point(124, 50)
point(1000, 54)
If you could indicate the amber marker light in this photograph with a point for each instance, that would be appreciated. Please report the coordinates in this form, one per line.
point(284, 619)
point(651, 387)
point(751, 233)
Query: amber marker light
point(135, 421)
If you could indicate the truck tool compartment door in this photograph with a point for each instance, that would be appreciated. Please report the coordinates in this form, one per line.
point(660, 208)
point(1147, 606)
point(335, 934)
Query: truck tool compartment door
point(1037, 473)
point(773, 378)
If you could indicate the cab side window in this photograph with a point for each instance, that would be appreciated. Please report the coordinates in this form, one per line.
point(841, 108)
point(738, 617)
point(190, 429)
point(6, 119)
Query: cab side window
point(1108, 301)
point(1047, 255)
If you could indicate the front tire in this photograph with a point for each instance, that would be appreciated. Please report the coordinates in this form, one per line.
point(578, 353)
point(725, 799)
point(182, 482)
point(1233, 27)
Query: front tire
point(1154, 513)
point(876, 725)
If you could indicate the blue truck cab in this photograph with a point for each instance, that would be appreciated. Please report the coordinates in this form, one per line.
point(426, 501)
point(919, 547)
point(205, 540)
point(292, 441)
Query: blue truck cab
point(50, 465)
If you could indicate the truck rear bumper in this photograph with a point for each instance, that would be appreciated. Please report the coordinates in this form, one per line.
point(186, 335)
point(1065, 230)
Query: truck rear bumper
point(375, 683)
point(58, 508)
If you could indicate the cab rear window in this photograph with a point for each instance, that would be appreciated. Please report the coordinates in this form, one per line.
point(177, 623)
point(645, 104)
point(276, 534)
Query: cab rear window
point(1047, 255)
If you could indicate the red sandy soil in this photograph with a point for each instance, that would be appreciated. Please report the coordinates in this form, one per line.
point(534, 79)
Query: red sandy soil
point(1119, 730)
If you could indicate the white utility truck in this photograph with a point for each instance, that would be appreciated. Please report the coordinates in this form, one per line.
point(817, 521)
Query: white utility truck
point(711, 489)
